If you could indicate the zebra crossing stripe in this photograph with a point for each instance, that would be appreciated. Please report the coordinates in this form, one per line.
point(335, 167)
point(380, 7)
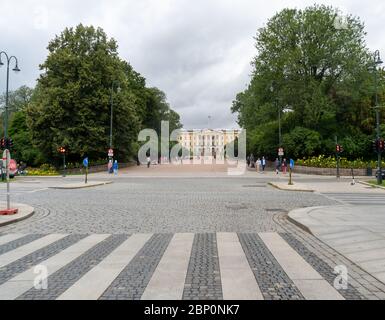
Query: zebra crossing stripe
point(308, 281)
point(92, 285)
point(22, 251)
point(167, 282)
point(15, 287)
point(10, 237)
point(238, 281)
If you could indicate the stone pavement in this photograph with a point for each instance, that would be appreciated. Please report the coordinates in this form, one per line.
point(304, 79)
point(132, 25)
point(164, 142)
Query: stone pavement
point(212, 266)
point(24, 212)
point(357, 232)
point(198, 235)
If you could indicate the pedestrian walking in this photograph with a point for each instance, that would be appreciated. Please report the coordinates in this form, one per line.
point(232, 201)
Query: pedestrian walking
point(109, 166)
point(277, 165)
point(115, 167)
point(284, 166)
point(258, 165)
point(248, 161)
point(263, 164)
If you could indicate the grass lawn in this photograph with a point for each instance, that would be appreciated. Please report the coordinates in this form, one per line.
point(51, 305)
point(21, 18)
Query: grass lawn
point(374, 182)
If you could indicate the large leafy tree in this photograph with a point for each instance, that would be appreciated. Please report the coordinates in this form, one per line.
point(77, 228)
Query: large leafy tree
point(17, 126)
point(317, 73)
point(73, 98)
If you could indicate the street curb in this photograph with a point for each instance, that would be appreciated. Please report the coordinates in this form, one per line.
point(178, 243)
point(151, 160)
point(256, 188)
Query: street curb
point(284, 189)
point(26, 216)
point(82, 186)
point(305, 211)
point(371, 185)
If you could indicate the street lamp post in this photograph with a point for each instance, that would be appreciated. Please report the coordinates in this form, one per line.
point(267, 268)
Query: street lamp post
point(377, 62)
point(114, 83)
point(16, 69)
point(279, 120)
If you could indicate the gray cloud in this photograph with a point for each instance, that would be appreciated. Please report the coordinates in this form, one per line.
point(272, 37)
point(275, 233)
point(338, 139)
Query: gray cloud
point(197, 52)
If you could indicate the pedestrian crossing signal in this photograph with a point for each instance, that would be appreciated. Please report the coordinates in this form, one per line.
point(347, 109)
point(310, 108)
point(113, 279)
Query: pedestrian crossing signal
point(339, 148)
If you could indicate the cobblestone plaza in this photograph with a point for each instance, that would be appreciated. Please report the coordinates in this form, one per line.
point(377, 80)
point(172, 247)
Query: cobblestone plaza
point(208, 237)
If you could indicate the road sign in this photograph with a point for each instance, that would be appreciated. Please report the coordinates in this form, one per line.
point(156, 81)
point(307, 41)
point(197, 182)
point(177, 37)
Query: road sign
point(85, 162)
point(281, 152)
point(111, 152)
point(291, 164)
point(6, 154)
point(12, 165)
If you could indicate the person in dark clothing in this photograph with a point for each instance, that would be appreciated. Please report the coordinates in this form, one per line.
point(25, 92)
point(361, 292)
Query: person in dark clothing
point(263, 164)
point(277, 165)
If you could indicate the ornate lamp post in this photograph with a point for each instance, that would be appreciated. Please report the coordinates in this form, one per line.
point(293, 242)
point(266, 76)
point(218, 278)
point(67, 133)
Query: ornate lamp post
point(8, 61)
point(113, 85)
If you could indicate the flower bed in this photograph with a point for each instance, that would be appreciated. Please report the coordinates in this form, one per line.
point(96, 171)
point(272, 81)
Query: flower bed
point(330, 162)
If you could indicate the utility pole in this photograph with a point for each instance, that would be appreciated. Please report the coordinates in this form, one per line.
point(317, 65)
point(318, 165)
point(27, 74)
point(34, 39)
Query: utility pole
point(377, 62)
point(7, 152)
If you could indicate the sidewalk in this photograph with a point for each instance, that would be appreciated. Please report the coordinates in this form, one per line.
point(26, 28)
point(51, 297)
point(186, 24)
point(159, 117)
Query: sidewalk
point(325, 185)
point(24, 212)
point(357, 232)
point(80, 185)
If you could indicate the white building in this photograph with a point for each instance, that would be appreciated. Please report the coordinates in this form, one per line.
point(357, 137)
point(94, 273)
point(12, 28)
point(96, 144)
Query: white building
point(207, 141)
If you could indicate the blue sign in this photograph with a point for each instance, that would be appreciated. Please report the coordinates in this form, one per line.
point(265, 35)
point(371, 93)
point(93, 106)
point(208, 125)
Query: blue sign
point(291, 163)
point(85, 162)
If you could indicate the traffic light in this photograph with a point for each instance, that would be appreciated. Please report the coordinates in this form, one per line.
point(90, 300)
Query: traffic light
point(6, 143)
point(381, 145)
point(10, 143)
point(375, 146)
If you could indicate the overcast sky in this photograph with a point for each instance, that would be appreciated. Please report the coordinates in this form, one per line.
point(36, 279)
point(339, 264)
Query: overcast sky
point(197, 52)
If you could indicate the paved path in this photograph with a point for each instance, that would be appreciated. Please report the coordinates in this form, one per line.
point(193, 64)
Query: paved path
point(357, 232)
point(158, 266)
point(192, 236)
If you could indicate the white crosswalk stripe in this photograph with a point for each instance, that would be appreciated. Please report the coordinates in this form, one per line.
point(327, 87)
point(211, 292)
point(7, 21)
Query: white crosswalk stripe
point(92, 285)
point(21, 283)
point(167, 282)
point(238, 281)
point(10, 237)
point(308, 281)
point(168, 278)
point(22, 251)
point(358, 198)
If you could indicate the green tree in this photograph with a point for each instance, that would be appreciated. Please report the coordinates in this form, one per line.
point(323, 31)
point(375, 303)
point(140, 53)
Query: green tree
point(17, 100)
point(315, 71)
point(17, 126)
point(72, 106)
